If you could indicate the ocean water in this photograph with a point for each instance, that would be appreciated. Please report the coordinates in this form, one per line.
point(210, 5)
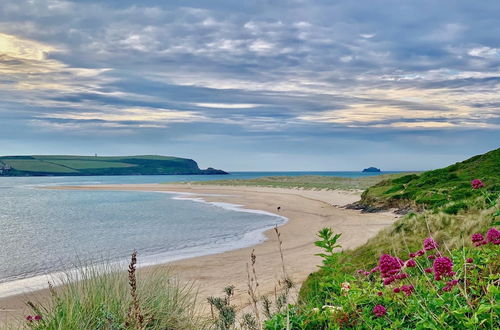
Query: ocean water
point(46, 231)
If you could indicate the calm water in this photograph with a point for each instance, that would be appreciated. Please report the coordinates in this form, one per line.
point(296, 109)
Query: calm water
point(44, 231)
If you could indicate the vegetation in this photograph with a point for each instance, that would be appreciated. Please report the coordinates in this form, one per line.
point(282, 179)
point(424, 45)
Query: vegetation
point(309, 182)
point(432, 288)
point(436, 188)
point(353, 289)
point(109, 298)
point(85, 165)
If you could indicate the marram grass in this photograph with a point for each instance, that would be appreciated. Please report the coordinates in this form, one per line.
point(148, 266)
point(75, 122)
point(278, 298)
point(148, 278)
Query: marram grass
point(100, 297)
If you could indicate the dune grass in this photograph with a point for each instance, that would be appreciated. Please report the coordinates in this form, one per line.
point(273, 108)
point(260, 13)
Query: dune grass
point(107, 297)
point(308, 182)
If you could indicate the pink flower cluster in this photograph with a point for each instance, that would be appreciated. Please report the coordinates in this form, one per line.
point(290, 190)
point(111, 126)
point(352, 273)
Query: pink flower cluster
point(407, 289)
point(492, 236)
point(30, 318)
point(379, 311)
point(450, 285)
point(443, 267)
point(430, 244)
point(476, 184)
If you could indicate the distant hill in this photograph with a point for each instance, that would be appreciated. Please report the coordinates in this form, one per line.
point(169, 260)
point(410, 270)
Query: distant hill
point(88, 165)
point(438, 187)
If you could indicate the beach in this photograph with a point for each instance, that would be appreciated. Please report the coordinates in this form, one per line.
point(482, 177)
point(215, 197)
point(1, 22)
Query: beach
point(307, 211)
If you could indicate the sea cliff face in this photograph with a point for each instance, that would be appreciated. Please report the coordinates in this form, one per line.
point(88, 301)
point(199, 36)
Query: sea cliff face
point(88, 165)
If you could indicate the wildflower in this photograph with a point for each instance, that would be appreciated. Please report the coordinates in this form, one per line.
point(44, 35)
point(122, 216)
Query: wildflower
point(431, 257)
point(493, 236)
point(345, 286)
point(411, 263)
point(401, 276)
point(449, 285)
point(375, 269)
point(389, 265)
point(476, 184)
point(470, 260)
point(29, 318)
point(412, 255)
point(442, 267)
point(389, 280)
point(477, 237)
point(379, 311)
point(428, 270)
point(37, 317)
point(420, 253)
point(332, 308)
point(396, 290)
point(379, 293)
point(430, 244)
point(408, 289)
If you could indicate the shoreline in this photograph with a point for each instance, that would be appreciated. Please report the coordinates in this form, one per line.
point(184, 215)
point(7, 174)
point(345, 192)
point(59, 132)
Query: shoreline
point(307, 211)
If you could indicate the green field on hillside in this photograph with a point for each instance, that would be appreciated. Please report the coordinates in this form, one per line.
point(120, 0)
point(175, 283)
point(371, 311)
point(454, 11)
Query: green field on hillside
point(88, 165)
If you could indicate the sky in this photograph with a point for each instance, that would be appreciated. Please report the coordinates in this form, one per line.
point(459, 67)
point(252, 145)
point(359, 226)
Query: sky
point(253, 85)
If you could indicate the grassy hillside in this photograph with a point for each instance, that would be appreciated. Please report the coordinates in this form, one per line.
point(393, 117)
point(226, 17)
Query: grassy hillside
point(308, 182)
point(350, 290)
point(87, 165)
point(438, 187)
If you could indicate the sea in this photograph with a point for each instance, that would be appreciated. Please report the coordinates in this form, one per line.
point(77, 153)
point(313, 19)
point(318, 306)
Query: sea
point(46, 232)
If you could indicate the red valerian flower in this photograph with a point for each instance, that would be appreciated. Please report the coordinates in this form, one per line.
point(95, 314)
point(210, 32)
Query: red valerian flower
point(428, 270)
point(379, 293)
point(412, 255)
point(443, 266)
point(430, 244)
point(476, 184)
point(411, 263)
point(379, 311)
point(420, 253)
point(470, 260)
point(477, 237)
point(396, 290)
point(431, 257)
point(37, 317)
point(493, 236)
point(29, 318)
point(408, 289)
point(389, 265)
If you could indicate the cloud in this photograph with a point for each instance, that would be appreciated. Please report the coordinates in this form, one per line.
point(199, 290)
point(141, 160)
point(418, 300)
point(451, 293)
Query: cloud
point(281, 71)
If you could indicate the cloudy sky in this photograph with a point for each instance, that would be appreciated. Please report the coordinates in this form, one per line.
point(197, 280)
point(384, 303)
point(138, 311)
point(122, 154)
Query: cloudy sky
point(253, 85)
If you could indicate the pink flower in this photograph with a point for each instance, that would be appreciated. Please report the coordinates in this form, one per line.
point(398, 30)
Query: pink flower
point(379, 293)
point(29, 318)
point(443, 266)
point(449, 285)
point(470, 260)
point(411, 263)
point(401, 276)
point(379, 311)
point(430, 244)
point(389, 265)
point(389, 280)
point(428, 270)
point(412, 255)
point(374, 269)
point(420, 253)
point(37, 317)
point(408, 289)
point(477, 237)
point(493, 236)
point(431, 257)
point(476, 184)
point(396, 290)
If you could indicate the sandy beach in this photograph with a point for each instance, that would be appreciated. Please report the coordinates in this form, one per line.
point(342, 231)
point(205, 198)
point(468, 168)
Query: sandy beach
point(308, 211)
